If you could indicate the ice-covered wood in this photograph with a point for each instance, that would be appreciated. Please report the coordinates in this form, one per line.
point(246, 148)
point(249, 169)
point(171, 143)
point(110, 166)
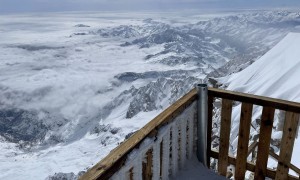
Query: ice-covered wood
point(191, 122)
point(149, 152)
point(183, 142)
point(166, 155)
point(174, 161)
point(114, 161)
point(156, 159)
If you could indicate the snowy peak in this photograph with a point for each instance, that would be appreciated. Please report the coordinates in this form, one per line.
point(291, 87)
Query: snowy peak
point(275, 74)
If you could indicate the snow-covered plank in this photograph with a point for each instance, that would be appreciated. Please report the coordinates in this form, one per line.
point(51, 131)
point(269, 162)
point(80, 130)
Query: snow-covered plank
point(112, 163)
point(166, 156)
point(287, 144)
point(183, 141)
point(190, 137)
point(224, 136)
point(156, 160)
point(243, 140)
point(138, 168)
point(264, 142)
point(147, 165)
point(174, 161)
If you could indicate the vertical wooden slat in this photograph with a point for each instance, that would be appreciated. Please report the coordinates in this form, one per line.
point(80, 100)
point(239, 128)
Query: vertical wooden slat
point(287, 144)
point(264, 143)
point(243, 140)
point(183, 141)
point(131, 173)
point(166, 156)
point(147, 166)
point(191, 137)
point(224, 136)
point(156, 160)
point(209, 127)
point(138, 168)
point(174, 162)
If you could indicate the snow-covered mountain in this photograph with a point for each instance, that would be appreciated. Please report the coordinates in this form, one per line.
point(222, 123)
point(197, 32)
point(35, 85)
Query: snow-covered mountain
point(73, 87)
point(276, 74)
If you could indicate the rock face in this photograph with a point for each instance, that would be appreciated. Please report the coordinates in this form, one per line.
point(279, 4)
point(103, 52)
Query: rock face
point(213, 48)
point(65, 176)
point(81, 25)
point(190, 53)
point(17, 125)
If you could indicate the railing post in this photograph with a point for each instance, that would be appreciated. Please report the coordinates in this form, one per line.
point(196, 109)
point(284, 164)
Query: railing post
point(202, 123)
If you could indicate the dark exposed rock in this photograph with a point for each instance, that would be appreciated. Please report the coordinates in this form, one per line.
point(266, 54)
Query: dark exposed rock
point(21, 125)
point(30, 47)
point(129, 135)
point(81, 25)
point(65, 176)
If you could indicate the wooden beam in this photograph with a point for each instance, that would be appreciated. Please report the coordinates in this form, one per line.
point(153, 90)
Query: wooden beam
point(252, 147)
point(290, 165)
point(112, 162)
point(224, 136)
point(209, 126)
point(147, 166)
point(131, 173)
point(287, 144)
point(250, 166)
point(243, 140)
point(254, 99)
point(264, 142)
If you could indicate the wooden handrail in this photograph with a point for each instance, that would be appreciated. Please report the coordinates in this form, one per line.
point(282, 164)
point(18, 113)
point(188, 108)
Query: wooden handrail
point(269, 106)
point(290, 165)
point(116, 158)
point(255, 99)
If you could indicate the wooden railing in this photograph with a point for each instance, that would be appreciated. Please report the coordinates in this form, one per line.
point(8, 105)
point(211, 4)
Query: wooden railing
point(240, 162)
point(161, 147)
point(137, 157)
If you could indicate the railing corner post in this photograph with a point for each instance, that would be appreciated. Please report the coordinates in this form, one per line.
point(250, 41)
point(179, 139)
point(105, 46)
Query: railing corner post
point(202, 111)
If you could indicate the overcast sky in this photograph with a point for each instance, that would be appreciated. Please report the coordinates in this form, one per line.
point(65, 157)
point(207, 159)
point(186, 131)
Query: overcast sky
point(11, 6)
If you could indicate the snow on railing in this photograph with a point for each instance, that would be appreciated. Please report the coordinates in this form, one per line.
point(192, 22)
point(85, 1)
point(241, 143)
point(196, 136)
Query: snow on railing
point(259, 169)
point(151, 160)
point(156, 151)
point(161, 148)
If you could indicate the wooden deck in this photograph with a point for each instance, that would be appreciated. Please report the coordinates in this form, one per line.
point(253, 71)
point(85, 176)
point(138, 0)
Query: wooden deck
point(158, 159)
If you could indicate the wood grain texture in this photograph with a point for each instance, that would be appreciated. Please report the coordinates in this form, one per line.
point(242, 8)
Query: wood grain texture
point(291, 166)
point(226, 112)
point(264, 143)
point(250, 166)
point(252, 147)
point(116, 158)
point(287, 144)
point(147, 166)
point(243, 140)
point(254, 99)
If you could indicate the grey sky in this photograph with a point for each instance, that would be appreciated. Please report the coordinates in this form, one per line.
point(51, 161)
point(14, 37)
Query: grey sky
point(10, 6)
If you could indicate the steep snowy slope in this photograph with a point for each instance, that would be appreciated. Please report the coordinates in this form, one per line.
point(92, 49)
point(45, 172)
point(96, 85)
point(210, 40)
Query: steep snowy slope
point(276, 74)
point(74, 85)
